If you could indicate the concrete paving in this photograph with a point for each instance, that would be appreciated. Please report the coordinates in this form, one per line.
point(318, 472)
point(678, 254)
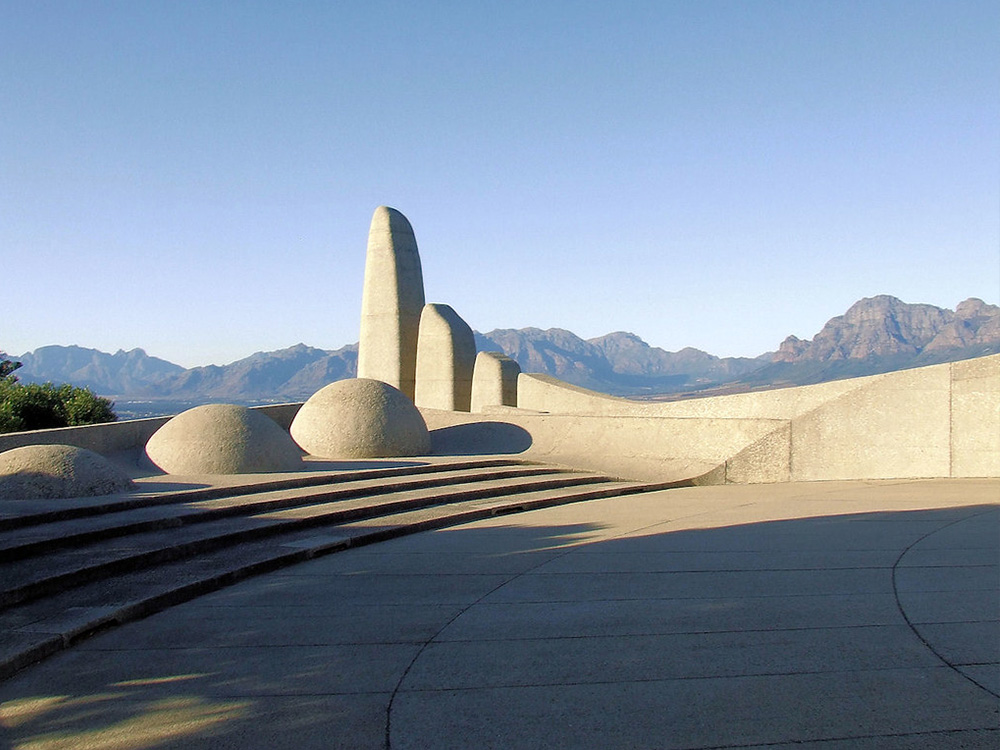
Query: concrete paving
point(828, 615)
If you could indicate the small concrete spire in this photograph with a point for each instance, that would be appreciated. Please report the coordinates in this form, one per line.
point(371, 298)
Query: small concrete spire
point(494, 381)
point(446, 354)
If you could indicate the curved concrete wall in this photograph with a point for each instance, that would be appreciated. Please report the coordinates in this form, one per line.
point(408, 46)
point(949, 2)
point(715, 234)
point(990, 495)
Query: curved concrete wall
point(975, 417)
point(124, 440)
point(548, 394)
point(637, 447)
point(939, 421)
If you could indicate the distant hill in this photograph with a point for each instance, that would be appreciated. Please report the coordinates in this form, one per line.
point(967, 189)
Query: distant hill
point(619, 363)
point(291, 374)
point(877, 334)
point(122, 372)
point(882, 334)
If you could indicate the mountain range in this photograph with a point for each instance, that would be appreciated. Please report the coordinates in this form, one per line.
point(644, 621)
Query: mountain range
point(877, 334)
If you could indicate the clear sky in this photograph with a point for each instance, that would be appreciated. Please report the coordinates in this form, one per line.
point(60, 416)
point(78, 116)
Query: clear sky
point(197, 178)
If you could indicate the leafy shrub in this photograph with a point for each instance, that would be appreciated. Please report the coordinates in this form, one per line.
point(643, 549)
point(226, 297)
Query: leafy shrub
point(30, 406)
point(7, 367)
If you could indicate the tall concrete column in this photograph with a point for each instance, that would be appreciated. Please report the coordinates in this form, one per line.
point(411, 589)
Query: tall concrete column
point(446, 355)
point(391, 302)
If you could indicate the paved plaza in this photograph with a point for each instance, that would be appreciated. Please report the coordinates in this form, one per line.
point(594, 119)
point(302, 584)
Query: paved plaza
point(820, 615)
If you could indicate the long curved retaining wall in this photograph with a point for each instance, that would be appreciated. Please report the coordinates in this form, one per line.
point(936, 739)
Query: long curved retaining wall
point(938, 421)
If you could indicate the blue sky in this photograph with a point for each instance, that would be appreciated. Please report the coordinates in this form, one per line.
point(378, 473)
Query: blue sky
point(197, 179)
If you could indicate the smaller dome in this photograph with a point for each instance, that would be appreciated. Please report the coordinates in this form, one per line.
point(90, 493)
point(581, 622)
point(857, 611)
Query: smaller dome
point(37, 472)
point(360, 418)
point(222, 439)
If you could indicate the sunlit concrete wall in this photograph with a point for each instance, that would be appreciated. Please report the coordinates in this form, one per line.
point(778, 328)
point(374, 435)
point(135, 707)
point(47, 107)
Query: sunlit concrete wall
point(895, 426)
point(548, 394)
point(939, 421)
point(975, 418)
point(446, 356)
point(120, 439)
point(636, 447)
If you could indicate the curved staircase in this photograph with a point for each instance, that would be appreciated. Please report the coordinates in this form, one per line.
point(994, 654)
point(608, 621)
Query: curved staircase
point(69, 569)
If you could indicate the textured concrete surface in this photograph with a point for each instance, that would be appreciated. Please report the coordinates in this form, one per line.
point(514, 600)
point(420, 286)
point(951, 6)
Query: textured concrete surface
point(826, 615)
point(391, 302)
point(548, 394)
point(58, 471)
point(896, 426)
point(120, 438)
point(937, 421)
point(649, 448)
point(360, 418)
point(494, 381)
point(446, 355)
point(975, 413)
point(942, 420)
point(222, 439)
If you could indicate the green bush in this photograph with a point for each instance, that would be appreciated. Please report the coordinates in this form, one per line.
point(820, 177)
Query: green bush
point(30, 406)
point(7, 367)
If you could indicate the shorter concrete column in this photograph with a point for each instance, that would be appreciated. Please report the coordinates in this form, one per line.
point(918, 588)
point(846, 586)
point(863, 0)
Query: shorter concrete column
point(494, 381)
point(446, 354)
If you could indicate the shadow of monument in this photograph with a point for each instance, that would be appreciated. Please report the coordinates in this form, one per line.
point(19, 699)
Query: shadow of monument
point(479, 438)
point(669, 628)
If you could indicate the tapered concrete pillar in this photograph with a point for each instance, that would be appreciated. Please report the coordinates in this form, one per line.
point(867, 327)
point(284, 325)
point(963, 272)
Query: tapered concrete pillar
point(446, 355)
point(391, 302)
point(494, 381)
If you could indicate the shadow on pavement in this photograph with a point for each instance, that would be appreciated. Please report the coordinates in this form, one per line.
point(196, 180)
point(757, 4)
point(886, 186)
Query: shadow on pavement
point(872, 629)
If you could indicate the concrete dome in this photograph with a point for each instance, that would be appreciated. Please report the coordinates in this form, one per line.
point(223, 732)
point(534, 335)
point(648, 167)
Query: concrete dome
point(48, 471)
point(222, 439)
point(360, 418)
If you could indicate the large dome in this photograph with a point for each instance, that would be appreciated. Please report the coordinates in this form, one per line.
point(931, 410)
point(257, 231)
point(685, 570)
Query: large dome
point(222, 439)
point(49, 471)
point(360, 418)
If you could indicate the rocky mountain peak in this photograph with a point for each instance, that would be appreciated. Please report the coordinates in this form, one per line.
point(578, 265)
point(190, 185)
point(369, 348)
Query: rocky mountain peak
point(975, 308)
point(790, 350)
point(869, 307)
point(885, 326)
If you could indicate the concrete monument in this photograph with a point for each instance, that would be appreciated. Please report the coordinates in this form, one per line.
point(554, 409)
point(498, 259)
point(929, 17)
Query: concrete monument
point(494, 381)
point(360, 418)
point(36, 472)
point(391, 302)
point(222, 439)
point(446, 355)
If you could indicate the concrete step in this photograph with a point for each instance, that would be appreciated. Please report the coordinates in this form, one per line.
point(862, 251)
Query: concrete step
point(34, 630)
point(38, 539)
point(15, 514)
point(26, 579)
